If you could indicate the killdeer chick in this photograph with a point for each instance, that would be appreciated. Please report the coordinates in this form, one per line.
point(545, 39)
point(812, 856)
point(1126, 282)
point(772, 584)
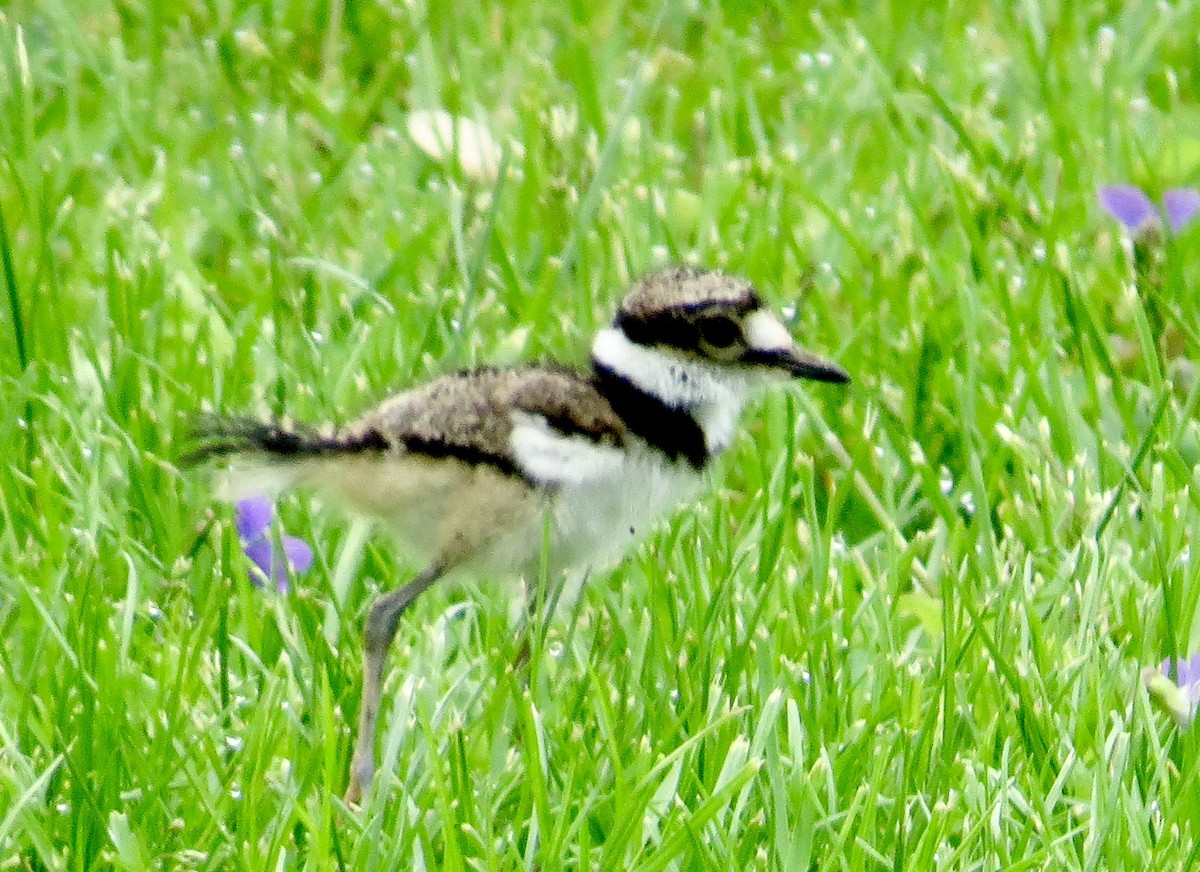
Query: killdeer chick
point(474, 470)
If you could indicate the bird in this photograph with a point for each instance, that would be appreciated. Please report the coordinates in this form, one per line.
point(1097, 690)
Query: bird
point(503, 470)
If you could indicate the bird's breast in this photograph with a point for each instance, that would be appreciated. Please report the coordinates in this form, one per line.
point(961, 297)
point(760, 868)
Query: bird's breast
point(597, 521)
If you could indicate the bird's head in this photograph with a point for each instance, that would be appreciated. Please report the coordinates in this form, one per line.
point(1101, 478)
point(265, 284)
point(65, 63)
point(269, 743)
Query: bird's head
point(718, 319)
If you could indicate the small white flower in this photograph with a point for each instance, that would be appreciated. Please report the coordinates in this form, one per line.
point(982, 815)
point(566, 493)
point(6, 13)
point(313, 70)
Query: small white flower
point(443, 136)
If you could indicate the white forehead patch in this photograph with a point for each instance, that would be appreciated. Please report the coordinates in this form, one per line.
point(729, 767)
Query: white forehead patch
point(765, 333)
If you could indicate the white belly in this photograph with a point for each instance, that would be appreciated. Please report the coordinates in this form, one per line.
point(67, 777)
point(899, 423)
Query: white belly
point(598, 502)
point(603, 498)
point(598, 521)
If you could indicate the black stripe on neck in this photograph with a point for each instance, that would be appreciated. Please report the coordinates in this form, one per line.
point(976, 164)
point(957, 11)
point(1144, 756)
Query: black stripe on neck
point(672, 431)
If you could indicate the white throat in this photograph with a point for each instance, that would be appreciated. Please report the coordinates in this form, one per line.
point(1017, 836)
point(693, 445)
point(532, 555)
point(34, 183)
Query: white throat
point(712, 394)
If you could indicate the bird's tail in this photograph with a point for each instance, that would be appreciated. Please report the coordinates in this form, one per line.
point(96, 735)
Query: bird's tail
point(261, 457)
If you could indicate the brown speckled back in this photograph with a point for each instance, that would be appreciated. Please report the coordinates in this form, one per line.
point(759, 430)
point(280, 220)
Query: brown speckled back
point(469, 415)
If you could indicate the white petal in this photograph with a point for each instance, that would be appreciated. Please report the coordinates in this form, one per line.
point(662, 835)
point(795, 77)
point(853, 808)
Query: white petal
point(442, 136)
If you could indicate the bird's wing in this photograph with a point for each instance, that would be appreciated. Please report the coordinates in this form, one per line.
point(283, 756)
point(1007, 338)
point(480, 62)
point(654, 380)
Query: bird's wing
point(548, 425)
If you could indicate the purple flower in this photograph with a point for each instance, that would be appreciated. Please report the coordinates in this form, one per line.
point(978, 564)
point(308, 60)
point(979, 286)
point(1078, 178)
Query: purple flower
point(253, 520)
point(1133, 207)
point(1181, 204)
point(1175, 687)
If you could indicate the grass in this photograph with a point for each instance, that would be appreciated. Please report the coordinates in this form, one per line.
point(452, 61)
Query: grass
point(906, 629)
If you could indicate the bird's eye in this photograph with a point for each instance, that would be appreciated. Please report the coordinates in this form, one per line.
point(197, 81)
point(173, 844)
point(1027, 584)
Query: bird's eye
point(720, 332)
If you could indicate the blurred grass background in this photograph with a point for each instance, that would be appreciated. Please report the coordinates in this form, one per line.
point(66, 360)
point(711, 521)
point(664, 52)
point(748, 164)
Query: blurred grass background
point(906, 631)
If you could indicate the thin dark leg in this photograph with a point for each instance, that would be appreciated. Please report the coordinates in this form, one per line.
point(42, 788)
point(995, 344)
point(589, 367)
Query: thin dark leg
point(529, 623)
point(380, 631)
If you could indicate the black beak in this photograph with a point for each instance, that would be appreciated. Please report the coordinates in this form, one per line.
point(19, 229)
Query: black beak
point(798, 363)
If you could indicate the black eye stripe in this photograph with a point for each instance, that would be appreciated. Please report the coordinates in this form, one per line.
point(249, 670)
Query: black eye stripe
point(685, 329)
point(720, 331)
point(661, 328)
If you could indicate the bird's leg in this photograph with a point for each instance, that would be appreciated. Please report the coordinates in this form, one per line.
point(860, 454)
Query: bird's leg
point(533, 604)
point(378, 635)
point(525, 632)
